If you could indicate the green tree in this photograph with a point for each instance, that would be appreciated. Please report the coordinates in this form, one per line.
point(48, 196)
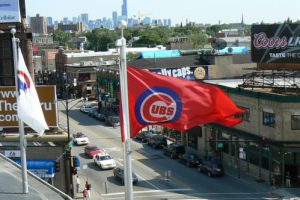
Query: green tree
point(62, 37)
point(198, 40)
point(100, 38)
point(153, 36)
point(212, 30)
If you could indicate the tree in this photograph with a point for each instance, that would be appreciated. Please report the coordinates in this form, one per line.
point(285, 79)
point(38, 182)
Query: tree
point(100, 38)
point(212, 30)
point(153, 36)
point(62, 37)
point(198, 40)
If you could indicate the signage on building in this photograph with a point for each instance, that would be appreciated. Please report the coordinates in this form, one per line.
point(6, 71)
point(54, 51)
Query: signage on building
point(190, 73)
point(276, 43)
point(9, 11)
point(8, 105)
point(12, 153)
point(41, 168)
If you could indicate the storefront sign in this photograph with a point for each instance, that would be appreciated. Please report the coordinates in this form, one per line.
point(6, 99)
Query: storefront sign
point(277, 43)
point(8, 105)
point(9, 11)
point(190, 73)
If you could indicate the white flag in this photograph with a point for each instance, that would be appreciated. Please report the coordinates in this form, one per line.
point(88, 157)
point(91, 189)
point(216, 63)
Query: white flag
point(29, 106)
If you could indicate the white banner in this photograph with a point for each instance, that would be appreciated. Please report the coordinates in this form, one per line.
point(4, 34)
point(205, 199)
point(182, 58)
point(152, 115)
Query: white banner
point(9, 11)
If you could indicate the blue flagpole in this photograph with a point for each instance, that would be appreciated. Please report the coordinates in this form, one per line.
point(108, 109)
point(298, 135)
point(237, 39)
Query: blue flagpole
point(21, 124)
point(125, 112)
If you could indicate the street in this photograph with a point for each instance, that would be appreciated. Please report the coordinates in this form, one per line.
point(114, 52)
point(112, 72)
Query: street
point(160, 177)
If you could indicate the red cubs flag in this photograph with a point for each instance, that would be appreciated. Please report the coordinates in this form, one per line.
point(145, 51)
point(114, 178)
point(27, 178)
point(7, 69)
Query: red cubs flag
point(175, 103)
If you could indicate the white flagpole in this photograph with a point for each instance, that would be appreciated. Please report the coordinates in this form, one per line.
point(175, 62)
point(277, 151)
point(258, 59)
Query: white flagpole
point(125, 111)
point(21, 125)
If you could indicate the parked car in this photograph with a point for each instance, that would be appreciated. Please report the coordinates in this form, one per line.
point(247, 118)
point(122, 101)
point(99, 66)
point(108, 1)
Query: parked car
point(90, 151)
point(107, 114)
point(104, 161)
point(80, 138)
point(144, 136)
point(174, 150)
point(211, 167)
point(95, 113)
point(92, 110)
point(100, 115)
point(190, 159)
point(85, 108)
point(157, 141)
point(119, 175)
point(113, 120)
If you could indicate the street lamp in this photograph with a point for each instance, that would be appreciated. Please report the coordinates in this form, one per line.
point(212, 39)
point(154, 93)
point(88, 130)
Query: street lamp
point(65, 102)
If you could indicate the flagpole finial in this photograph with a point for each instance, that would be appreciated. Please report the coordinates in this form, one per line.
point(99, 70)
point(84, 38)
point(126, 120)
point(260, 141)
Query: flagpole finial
point(123, 25)
point(13, 31)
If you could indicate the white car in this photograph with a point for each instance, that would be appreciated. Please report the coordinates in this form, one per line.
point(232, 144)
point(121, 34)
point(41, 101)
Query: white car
point(104, 161)
point(80, 138)
point(86, 108)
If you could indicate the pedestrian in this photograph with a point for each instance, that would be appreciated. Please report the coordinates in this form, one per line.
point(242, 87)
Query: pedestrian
point(87, 185)
point(77, 184)
point(85, 193)
point(288, 180)
point(88, 194)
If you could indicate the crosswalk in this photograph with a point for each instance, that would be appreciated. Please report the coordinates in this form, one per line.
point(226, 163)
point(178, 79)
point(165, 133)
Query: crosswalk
point(152, 194)
point(188, 194)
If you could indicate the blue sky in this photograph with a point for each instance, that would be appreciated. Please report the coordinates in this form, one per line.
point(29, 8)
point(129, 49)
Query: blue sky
point(201, 11)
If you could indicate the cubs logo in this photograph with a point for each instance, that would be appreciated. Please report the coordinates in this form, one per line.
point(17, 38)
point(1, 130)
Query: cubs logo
point(23, 81)
point(199, 73)
point(158, 104)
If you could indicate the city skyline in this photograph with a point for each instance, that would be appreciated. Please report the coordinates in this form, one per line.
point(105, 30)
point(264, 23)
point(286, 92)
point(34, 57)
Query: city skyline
point(206, 12)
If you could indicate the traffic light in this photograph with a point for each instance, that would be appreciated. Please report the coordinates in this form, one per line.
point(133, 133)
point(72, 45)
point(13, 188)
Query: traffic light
point(74, 170)
point(68, 154)
point(57, 166)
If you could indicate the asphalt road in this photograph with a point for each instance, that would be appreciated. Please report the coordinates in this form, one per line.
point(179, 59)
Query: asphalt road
point(151, 166)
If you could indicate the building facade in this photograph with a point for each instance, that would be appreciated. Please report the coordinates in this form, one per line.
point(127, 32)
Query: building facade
point(266, 144)
point(38, 24)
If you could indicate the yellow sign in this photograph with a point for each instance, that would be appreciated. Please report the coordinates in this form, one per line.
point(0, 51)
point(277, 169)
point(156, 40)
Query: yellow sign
point(8, 105)
point(199, 73)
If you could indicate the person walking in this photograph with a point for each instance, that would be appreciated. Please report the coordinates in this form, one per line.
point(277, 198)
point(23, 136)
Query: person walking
point(85, 194)
point(87, 185)
point(77, 184)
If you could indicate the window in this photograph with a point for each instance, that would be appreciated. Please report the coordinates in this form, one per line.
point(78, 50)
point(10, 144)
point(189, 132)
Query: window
point(269, 119)
point(246, 115)
point(295, 122)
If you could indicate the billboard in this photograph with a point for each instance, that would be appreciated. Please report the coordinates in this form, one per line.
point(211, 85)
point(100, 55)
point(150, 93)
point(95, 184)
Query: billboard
point(8, 105)
point(276, 43)
point(190, 73)
point(9, 11)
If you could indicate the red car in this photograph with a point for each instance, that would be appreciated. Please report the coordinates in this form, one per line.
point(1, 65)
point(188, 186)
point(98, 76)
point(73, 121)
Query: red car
point(90, 151)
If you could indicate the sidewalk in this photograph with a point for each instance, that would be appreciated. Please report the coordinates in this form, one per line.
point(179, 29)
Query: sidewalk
point(278, 192)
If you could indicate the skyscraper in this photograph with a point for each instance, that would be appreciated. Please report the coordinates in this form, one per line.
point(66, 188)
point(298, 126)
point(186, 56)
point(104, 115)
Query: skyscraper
point(49, 21)
point(85, 18)
point(124, 10)
point(115, 19)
